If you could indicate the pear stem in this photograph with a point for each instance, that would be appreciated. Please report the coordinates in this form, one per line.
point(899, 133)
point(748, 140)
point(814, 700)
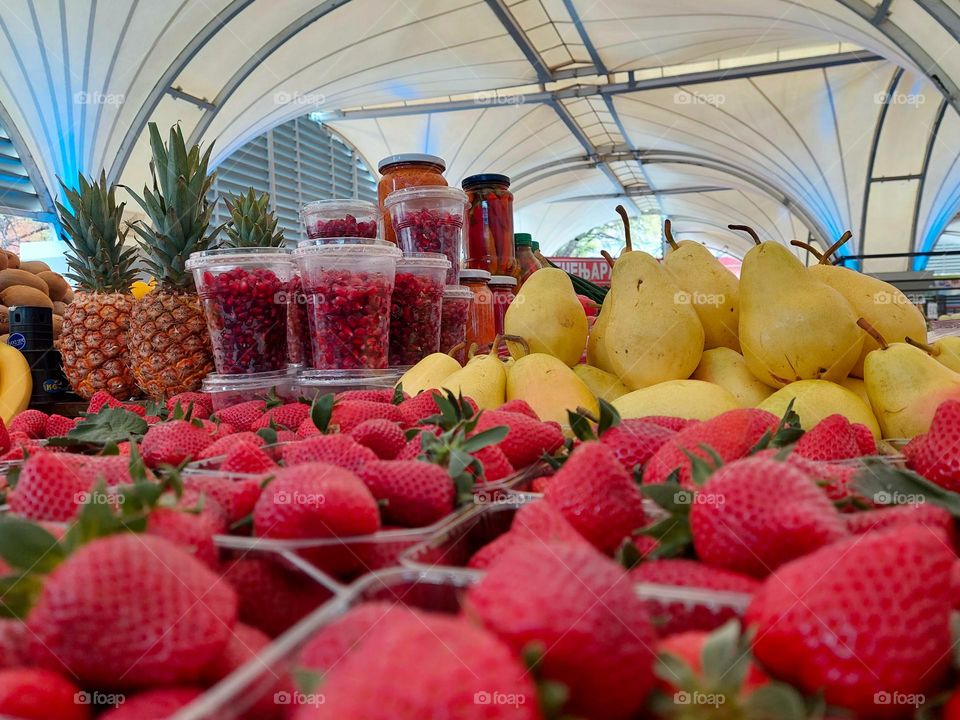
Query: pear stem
point(472, 350)
point(747, 229)
point(495, 345)
point(456, 348)
point(668, 234)
point(872, 332)
point(608, 257)
point(825, 258)
point(521, 341)
point(931, 350)
point(622, 212)
point(808, 247)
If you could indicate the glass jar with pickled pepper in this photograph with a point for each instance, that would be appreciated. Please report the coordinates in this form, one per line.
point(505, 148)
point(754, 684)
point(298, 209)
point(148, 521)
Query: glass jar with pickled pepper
point(402, 171)
point(490, 224)
point(481, 325)
point(504, 288)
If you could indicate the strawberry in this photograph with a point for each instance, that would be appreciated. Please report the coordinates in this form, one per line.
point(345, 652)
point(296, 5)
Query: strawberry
point(135, 408)
point(287, 436)
point(195, 501)
point(521, 407)
point(347, 415)
point(866, 442)
point(242, 416)
point(100, 399)
point(951, 709)
point(35, 694)
point(540, 520)
point(495, 464)
point(308, 429)
point(315, 500)
point(14, 639)
point(247, 459)
point(201, 402)
point(753, 515)
point(833, 438)
point(271, 597)
point(680, 616)
point(835, 479)
point(33, 423)
point(936, 454)
point(596, 495)
point(330, 645)
point(244, 644)
point(236, 497)
point(58, 426)
point(527, 440)
point(191, 532)
point(221, 447)
point(173, 442)
point(929, 516)
point(340, 450)
point(380, 396)
point(420, 406)
point(289, 416)
point(670, 423)
point(493, 551)
point(385, 438)
point(548, 593)
point(5, 442)
point(222, 430)
point(153, 704)
point(834, 623)
point(139, 620)
point(426, 665)
point(414, 493)
point(633, 442)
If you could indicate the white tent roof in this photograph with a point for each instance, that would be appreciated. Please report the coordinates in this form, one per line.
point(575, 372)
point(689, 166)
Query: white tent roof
point(799, 116)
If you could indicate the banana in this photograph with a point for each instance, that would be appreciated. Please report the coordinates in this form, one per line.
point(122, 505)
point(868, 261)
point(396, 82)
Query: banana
point(16, 383)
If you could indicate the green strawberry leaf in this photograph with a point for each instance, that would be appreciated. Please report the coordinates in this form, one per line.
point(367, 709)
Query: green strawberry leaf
point(670, 496)
point(321, 411)
point(787, 432)
point(28, 547)
point(628, 555)
point(398, 395)
point(609, 417)
point(674, 670)
point(722, 657)
point(886, 484)
point(272, 399)
point(580, 425)
point(18, 594)
point(488, 437)
point(269, 434)
point(673, 536)
point(110, 425)
point(775, 701)
point(700, 469)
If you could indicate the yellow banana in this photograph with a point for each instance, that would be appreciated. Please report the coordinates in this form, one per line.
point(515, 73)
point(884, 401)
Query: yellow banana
point(16, 383)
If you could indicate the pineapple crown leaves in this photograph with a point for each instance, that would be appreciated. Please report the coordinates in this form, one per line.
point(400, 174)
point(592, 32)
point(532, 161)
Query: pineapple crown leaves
point(91, 219)
point(252, 222)
point(177, 207)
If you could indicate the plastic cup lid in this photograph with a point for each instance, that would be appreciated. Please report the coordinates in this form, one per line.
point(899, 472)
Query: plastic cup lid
point(457, 292)
point(334, 207)
point(251, 381)
point(503, 280)
point(424, 260)
point(472, 274)
point(347, 246)
point(411, 158)
point(431, 192)
point(237, 255)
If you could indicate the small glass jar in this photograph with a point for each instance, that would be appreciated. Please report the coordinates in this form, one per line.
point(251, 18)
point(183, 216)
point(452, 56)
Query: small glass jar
point(481, 327)
point(457, 301)
point(504, 289)
point(490, 224)
point(526, 260)
point(403, 171)
point(339, 218)
point(430, 220)
point(416, 307)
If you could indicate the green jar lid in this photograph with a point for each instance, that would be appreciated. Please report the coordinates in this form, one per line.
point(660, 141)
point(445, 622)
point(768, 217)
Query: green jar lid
point(536, 246)
point(523, 239)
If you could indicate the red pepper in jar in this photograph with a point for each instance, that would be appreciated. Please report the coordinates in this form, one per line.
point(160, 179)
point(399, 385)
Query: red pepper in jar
point(490, 227)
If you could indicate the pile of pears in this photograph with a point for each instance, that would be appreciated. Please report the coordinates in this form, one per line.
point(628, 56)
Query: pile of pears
point(685, 337)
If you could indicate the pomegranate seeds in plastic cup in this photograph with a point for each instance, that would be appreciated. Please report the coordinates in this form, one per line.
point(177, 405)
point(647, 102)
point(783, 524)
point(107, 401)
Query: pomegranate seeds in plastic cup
point(244, 297)
point(348, 283)
point(430, 220)
point(416, 308)
point(339, 219)
point(299, 344)
point(453, 322)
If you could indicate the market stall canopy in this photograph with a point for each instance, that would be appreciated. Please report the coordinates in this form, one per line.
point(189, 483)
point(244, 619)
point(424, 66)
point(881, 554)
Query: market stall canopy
point(804, 117)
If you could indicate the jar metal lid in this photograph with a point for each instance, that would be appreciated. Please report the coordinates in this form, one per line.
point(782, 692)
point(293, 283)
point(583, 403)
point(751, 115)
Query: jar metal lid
point(472, 274)
point(411, 158)
point(485, 179)
point(503, 280)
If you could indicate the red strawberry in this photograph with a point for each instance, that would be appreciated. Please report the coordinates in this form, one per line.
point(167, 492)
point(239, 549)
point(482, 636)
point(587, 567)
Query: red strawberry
point(548, 593)
point(539, 484)
point(680, 616)
point(35, 694)
point(415, 493)
point(101, 398)
point(153, 704)
point(633, 442)
point(135, 408)
point(495, 464)
point(315, 500)
point(58, 426)
point(596, 495)
point(410, 671)
point(866, 443)
point(833, 438)
point(519, 406)
point(287, 436)
point(221, 447)
point(689, 648)
point(384, 437)
point(753, 515)
point(334, 642)
point(197, 399)
point(173, 442)
point(14, 639)
point(244, 644)
point(380, 396)
point(951, 709)
point(242, 416)
point(670, 423)
point(236, 497)
point(540, 520)
point(271, 597)
point(33, 423)
point(246, 459)
point(526, 441)
point(340, 450)
point(834, 623)
point(222, 430)
point(289, 416)
point(191, 532)
point(308, 429)
point(195, 501)
point(731, 435)
point(936, 455)
point(929, 516)
point(21, 446)
point(138, 620)
point(5, 442)
point(420, 406)
point(347, 415)
point(493, 551)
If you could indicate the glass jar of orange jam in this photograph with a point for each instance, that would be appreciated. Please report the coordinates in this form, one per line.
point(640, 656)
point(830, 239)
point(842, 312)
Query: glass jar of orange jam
point(402, 171)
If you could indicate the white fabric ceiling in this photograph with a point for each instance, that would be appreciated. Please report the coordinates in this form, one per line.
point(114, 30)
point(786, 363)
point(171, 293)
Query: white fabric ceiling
point(798, 116)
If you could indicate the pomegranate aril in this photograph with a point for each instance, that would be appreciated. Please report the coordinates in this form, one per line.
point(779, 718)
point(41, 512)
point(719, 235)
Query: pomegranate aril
point(299, 347)
point(415, 318)
point(453, 325)
point(433, 231)
point(347, 226)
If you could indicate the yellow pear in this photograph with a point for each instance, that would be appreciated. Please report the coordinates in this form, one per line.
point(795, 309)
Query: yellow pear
point(887, 309)
point(651, 334)
point(906, 386)
point(813, 400)
point(858, 386)
point(549, 386)
point(792, 326)
point(484, 379)
point(601, 383)
point(945, 351)
point(428, 374)
point(547, 313)
point(727, 368)
point(693, 399)
point(711, 288)
point(596, 350)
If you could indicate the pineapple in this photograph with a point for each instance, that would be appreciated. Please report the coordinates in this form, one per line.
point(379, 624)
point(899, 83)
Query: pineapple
point(93, 341)
point(168, 341)
point(252, 223)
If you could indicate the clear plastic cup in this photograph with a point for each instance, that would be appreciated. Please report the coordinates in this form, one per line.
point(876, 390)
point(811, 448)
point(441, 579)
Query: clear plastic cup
point(312, 384)
point(340, 218)
point(244, 292)
point(348, 285)
point(299, 346)
point(430, 220)
point(457, 300)
point(416, 307)
point(227, 390)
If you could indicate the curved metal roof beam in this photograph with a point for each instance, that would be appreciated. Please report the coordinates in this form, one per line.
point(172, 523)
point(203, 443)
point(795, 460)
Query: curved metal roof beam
point(30, 165)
